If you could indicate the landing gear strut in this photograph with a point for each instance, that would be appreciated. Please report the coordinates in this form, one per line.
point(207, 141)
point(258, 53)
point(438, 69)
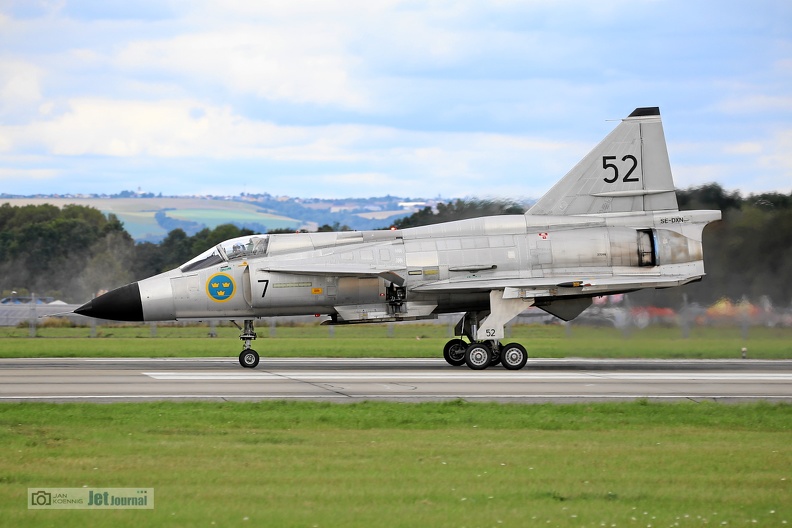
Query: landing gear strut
point(482, 353)
point(249, 358)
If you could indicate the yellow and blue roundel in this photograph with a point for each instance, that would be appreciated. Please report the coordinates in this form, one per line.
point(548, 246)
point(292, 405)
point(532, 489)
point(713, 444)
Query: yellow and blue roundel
point(220, 287)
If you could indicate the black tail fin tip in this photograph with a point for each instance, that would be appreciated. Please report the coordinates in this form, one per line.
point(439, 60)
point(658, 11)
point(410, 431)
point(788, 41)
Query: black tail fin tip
point(646, 111)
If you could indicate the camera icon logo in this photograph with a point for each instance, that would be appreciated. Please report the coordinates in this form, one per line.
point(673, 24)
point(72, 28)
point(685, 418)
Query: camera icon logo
point(41, 498)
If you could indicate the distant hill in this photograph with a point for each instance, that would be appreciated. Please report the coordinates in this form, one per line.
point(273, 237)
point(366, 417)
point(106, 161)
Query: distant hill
point(150, 218)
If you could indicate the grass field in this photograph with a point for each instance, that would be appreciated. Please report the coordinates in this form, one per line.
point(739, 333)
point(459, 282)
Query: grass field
point(215, 217)
point(138, 213)
point(454, 464)
point(409, 340)
point(388, 464)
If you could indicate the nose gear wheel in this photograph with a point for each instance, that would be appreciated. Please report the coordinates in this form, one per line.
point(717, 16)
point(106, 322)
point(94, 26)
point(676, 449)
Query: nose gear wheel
point(249, 358)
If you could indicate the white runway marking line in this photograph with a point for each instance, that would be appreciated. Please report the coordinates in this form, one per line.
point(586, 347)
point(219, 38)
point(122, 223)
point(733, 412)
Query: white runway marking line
point(470, 376)
point(322, 360)
point(211, 376)
point(488, 397)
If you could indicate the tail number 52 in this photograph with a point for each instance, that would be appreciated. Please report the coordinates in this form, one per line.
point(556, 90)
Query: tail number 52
point(606, 164)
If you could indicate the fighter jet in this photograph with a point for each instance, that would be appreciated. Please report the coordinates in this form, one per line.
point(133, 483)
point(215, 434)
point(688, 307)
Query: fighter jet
point(611, 225)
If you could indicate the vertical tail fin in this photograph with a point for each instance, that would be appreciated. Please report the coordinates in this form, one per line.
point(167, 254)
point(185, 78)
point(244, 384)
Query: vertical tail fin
point(628, 171)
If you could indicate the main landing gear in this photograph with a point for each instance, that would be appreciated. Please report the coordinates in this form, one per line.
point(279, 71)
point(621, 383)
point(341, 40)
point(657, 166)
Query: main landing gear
point(249, 358)
point(482, 353)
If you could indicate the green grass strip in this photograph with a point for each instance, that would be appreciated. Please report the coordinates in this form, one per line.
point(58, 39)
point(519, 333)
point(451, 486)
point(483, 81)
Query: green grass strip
point(388, 464)
point(543, 341)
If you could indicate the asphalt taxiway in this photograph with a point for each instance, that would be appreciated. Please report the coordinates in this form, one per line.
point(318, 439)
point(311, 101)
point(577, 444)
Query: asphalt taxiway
point(348, 380)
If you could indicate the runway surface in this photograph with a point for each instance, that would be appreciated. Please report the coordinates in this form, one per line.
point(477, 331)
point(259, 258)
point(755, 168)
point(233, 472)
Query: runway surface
point(410, 380)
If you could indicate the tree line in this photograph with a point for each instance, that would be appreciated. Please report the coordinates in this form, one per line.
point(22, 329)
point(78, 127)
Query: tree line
point(747, 254)
point(74, 252)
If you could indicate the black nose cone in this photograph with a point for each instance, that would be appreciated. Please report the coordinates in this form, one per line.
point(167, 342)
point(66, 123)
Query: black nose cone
point(121, 304)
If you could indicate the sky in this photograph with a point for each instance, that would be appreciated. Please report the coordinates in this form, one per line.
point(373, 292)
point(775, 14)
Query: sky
point(360, 98)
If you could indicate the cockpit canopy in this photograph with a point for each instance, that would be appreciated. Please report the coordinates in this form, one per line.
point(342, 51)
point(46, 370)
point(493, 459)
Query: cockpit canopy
point(234, 249)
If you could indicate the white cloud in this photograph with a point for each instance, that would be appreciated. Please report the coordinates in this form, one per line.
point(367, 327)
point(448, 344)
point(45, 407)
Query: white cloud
point(754, 102)
point(446, 97)
point(192, 128)
point(390, 159)
point(20, 87)
point(165, 129)
point(306, 66)
point(758, 164)
point(349, 54)
point(27, 174)
point(748, 147)
point(768, 160)
point(686, 176)
point(778, 157)
point(371, 183)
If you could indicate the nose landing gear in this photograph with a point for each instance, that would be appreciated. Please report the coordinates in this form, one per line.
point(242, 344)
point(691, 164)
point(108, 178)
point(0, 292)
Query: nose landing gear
point(248, 358)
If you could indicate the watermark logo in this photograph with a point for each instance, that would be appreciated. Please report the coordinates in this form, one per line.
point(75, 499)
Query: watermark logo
point(90, 499)
point(40, 498)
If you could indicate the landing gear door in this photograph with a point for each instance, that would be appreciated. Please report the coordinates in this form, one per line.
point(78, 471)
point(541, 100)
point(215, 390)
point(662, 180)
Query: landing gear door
point(246, 288)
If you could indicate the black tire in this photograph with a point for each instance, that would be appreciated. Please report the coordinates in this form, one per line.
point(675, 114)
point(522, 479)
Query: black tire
point(514, 356)
point(496, 355)
point(454, 352)
point(478, 356)
point(249, 358)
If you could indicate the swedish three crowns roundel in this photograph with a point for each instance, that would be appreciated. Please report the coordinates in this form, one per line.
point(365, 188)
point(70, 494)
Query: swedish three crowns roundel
point(220, 287)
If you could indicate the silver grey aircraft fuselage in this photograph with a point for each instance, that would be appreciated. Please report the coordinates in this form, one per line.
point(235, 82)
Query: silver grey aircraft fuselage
point(611, 225)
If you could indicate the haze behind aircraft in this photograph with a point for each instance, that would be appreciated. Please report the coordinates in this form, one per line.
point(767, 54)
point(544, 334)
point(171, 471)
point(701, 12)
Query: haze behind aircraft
point(611, 225)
